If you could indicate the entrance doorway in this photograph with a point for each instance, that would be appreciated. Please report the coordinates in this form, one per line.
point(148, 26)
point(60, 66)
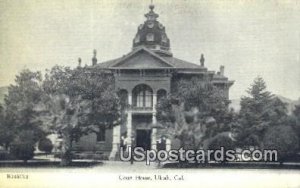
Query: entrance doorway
point(143, 138)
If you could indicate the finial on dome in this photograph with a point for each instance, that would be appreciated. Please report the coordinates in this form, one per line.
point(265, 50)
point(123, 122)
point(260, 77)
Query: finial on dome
point(202, 60)
point(151, 6)
point(151, 15)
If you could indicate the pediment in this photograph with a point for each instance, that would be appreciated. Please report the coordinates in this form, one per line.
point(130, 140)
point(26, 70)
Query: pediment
point(142, 59)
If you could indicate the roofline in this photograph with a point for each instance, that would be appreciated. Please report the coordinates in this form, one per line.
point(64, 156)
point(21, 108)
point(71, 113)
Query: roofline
point(137, 68)
point(137, 50)
point(229, 82)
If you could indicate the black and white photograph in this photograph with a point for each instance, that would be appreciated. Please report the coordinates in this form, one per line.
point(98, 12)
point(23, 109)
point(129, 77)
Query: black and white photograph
point(144, 93)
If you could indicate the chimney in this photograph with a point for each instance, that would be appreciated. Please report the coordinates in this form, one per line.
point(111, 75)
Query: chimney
point(222, 68)
point(202, 60)
point(94, 60)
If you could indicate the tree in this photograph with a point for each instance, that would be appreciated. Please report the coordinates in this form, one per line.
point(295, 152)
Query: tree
point(259, 111)
point(294, 121)
point(1, 114)
point(296, 112)
point(6, 133)
point(283, 139)
point(78, 102)
point(20, 108)
point(45, 145)
point(194, 112)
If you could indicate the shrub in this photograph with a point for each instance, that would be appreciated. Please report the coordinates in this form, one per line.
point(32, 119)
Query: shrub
point(45, 145)
point(218, 141)
point(283, 139)
point(221, 140)
point(23, 146)
point(22, 150)
point(5, 155)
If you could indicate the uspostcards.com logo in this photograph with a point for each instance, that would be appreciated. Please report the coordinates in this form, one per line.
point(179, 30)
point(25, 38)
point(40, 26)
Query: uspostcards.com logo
point(197, 156)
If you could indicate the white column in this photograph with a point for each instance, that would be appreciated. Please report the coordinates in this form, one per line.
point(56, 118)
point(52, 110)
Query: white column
point(153, 139)
point(154, 102)
point(129, 119)
point(116, 136)
point(168, 144)
point(130, 98)
point(129, 127)
point(116, 142)
point(154, 122)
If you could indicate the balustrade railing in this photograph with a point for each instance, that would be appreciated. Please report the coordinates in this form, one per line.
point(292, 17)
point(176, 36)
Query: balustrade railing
point(142, 108)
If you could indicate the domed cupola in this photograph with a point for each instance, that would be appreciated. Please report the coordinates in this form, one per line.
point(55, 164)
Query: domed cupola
point(152, 35)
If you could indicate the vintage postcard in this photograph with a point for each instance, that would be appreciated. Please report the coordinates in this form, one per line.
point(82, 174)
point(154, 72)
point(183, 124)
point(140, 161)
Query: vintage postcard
point(149, 93)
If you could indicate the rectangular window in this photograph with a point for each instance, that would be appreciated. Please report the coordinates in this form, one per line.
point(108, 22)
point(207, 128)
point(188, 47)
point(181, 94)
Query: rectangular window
point(150, 37)
point(148, 99)
point(140, 98)
point(101, 135)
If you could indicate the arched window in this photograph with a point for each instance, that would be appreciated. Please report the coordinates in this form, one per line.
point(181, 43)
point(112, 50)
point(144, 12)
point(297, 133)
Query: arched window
point(142, 96)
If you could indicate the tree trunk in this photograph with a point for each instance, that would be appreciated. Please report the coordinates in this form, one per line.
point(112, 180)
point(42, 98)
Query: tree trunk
point(66, 155)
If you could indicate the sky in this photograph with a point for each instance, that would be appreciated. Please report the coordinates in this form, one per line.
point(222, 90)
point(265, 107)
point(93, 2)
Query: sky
point(250, 38)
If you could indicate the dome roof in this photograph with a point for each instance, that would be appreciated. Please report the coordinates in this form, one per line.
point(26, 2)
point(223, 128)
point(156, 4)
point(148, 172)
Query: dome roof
point(152, 35)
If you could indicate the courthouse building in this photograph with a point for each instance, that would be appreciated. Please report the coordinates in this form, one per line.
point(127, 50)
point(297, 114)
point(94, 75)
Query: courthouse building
point(144, 75)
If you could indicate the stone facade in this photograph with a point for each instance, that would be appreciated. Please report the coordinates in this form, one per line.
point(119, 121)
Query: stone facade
point(143, 76)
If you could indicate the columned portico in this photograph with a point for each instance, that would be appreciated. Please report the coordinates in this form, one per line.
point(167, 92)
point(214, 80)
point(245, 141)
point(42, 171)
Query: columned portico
point(134, 109)
point(142, 78)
